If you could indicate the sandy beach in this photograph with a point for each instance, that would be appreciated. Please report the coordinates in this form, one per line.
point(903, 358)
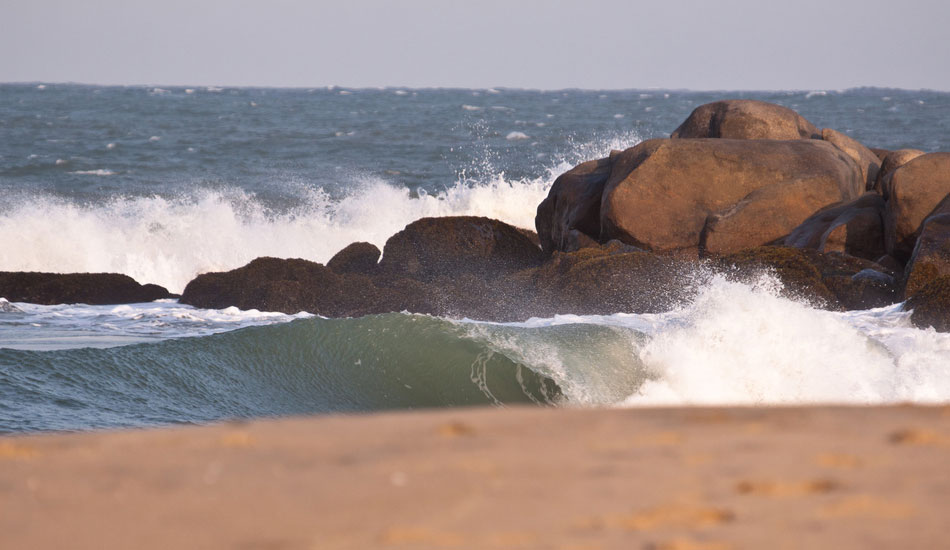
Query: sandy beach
point(685, 479)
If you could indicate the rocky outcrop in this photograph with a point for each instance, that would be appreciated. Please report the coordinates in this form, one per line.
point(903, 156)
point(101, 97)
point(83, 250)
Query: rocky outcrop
point(76, 288)
point(358, 257)
point(855, 228)
point(869, 163)
point(931, 305)
point(721, 195)
point(432, 248)
point(833, 280)
point(745, 119)
point(892, 161)
point(915, 189)
point(931, 256)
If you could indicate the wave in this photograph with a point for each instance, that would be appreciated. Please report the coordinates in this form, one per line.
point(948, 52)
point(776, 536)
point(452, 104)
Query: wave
point(169, 240)
point(734, 343)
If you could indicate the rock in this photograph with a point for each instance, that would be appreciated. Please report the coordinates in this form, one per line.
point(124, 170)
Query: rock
point(359, 257)
point(893, 161)
point(75, 288)
point(606, 280)
point(931, 256)
point(869, 163)
point(855, 228)
point(431, 248)
point(831, 280)
point(880, 153)
point(915, 189)
point(573, 204)
point(721, 195)
point(931, 305)
point(745, 119)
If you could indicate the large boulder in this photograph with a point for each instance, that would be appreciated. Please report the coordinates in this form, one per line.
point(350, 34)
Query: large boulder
point(359, 257)
point(573, 204)
point(721, 195)
point(855, 228)
point(433, 248)
point(76, 288)
point(745, 119)
point(915, 189)
point(931, 256)
point(869, 162)
point(891, 162)
point(931, 305)
point(831, 280)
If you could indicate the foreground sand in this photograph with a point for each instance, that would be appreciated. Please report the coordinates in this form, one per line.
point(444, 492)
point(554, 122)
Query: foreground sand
point(684, 479)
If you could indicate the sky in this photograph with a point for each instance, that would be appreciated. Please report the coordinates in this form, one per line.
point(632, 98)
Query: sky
point(547, 44)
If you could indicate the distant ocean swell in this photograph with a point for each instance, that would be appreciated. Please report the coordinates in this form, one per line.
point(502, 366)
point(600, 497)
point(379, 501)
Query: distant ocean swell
point(733, 344)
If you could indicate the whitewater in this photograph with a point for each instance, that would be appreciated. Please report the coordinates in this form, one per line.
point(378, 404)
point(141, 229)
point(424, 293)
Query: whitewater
point(165, 185)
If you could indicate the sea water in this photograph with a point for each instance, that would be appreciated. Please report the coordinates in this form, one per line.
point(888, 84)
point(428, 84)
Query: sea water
point(165, 183)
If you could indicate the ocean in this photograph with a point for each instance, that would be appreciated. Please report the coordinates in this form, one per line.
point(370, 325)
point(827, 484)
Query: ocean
point(164, 183)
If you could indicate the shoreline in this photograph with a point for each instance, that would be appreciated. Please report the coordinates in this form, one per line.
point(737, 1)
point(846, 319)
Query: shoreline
point(521, 477)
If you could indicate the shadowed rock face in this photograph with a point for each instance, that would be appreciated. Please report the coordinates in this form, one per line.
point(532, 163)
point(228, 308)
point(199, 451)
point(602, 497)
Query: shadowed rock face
point(358, 257)
point(915, 190)
point(745, 119)
point(721, 195)
point(892, 161)
point(573, 204)
point(931, 305)
point(868, 162)
point(76, 288)
point(931, 256)
point(855, 228)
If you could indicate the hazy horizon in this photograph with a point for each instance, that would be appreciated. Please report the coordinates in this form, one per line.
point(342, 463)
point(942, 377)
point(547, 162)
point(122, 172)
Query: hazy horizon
point(541, 45)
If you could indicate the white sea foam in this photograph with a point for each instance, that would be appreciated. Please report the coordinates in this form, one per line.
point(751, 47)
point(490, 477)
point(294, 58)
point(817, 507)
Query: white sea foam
point(471, 108)
point(816, 93)
point(736, 344)
point(99, 172)
point(513, 136)
point(168, 241)
point(37, 327)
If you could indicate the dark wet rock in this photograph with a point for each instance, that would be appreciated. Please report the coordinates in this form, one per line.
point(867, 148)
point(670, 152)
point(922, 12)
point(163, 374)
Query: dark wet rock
point(931, 305)
point(76, 288)
point(855, 228)
point(432, 248)
point(357, 257)
point(931, 256)
point(745, 119)
point(915, 190)
point(716, 196)
point(891, 162)
point(831, 280)
point(573, 205)
point(869, 163)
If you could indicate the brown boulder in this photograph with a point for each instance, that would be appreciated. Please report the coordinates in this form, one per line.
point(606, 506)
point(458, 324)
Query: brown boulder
point(431, 248)
point(721, 195)
point(931, 305)
point(855, 228)
point(893, 161)
point(572, 204)
point(869, 163)
point(745, 119)
point(76, 288)
point(915, 190)
point(359, 257)
point(931, 256)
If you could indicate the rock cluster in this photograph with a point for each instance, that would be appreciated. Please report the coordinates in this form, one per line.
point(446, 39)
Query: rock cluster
point(739, 187)
point(86, 288)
